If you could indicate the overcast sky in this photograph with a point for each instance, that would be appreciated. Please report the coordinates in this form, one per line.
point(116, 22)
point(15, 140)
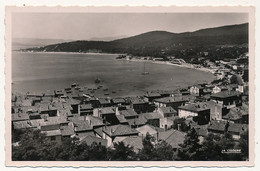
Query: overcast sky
point(86, 26)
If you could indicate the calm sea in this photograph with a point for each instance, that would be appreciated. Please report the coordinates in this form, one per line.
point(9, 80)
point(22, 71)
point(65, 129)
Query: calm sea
point(50, 71)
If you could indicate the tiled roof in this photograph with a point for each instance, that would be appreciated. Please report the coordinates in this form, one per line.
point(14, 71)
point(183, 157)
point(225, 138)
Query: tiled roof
point(104, 101)
point(72, 101)
point(169, 99)
point(225, 94)
point(121, 118)
point(118, 100)
point(49, 127)
point(64, 112)
point(91, 139)
point(134, 141)
point(82, 126)
point(21, 125)
point(237, 128)
point(235, 114)
point(86, 106)
point(67, 131)
point(152, 94)
point(20, 117)
point(94, 121)
point(57, 120)
point(119, 130)
point(99, 131)
point(52, 133)
point(146, 128)
point(172, 137)
point(137, 100)
point(217, 125)
point(107, 110)
point(195, 107)
point(128, 112)
point(152, 115)
point(167, 109)
point(141, 120)
point(37, 123)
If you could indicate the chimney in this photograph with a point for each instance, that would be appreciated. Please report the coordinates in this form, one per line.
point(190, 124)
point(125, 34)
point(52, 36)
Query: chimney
point(179, 127)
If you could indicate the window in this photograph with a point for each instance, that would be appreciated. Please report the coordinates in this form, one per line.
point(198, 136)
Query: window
point(53, 138)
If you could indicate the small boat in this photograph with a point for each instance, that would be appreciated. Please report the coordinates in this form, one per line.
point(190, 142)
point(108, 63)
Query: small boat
point(105, 89)
point(113, 91)
point(97, 80)
point(107, 94)
point(145, 72)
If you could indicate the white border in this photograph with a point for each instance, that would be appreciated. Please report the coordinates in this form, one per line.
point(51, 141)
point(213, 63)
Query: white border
point(118, 3)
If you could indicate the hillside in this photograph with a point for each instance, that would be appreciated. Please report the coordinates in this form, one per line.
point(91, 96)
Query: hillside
point(155, 42)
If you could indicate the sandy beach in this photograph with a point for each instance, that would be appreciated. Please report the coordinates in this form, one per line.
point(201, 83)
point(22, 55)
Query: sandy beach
point(186, 65)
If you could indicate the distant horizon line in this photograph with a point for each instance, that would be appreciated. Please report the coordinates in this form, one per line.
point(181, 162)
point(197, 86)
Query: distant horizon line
point(126, 36)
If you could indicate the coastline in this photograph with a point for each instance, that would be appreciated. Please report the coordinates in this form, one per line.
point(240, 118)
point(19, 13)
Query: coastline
point(187, 65)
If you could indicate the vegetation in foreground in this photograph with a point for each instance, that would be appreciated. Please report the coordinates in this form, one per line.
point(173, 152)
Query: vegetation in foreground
point(32, 145)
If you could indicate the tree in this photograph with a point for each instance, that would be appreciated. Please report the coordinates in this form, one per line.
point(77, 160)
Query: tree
point(97, 152)
point(190, 149)
point(244, 145)
point(121, 152)
point(148, 151)
point(163, 151)
point(211, 150)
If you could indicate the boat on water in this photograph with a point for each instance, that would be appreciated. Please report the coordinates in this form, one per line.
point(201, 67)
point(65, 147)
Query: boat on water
point(145, 72)
point(97, 80)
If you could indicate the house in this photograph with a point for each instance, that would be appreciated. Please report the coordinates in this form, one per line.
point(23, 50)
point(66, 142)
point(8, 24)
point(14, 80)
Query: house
point(143, 130)
point(21, 125)
point(150, 96)
point(167, 111)
point(93, 101)
point(221, 127)
point(174, 102)
point(172, 137)
point(118, 101)
point(196, 90)
point(74, 103)
point(53, 135)
point(48, 93)
point(20, 117)
point(218, 89)
point(237, 129)
point(59, 93)
point(104, 102)
point(139, 105)
point(85, 109)
point(108, 114)
point(95, 122)
point(134, 141)
point(82, 127)
point(237, 115)
point(90, 139)
point(36, 123)
point(216, 110)
point(228, 99)
point(200, 112)
point(153, 118)
point(50, 109)
point(129, 113)
point(111, 132)
point(217, 127)
point(67, 131)
point(137, 122)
